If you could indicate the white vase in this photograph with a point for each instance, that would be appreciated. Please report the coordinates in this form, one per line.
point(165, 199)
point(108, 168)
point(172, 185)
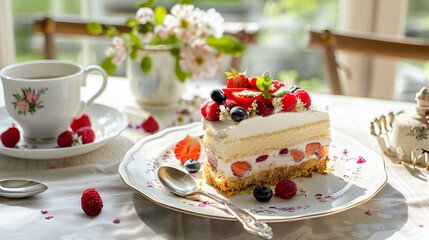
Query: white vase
point(160, 88)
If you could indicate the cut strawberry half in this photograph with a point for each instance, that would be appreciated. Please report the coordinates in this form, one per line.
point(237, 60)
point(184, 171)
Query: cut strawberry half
point(237, 79)
point(244, 97)
point(276, 86)
point(240, 168)
point(212, 159)
point(297, 155)
point(188, 148)
point(322, 152)
point(311, 148)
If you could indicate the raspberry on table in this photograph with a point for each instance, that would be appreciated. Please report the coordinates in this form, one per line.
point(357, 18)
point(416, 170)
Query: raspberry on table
point(150, 125)
point(91, 202)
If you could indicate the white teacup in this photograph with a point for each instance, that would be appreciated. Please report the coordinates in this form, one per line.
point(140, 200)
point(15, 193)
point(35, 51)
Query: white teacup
point(44, 96)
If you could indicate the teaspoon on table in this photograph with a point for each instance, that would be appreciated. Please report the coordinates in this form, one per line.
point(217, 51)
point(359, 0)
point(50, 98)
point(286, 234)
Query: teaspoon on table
point(20, 188)
point(183, 185)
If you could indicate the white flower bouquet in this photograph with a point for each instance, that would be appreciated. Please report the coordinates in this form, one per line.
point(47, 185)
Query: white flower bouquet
point(195, 38)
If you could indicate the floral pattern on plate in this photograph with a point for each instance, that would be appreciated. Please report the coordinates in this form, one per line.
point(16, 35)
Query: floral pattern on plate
point(355, 174)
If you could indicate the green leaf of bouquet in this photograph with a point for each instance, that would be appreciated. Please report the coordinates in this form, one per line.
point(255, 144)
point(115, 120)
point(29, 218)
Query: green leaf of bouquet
point(175, 52)
point(146, 64)
point(135, 39)
point(111, 31)
point(131, 22)
point(160, 13)
point(181, 75)
point(94, 28)
point(185, 1)
point(134, 53)
point(145, 28)
point(227, 44)
point(108, 66)
point(148, 3)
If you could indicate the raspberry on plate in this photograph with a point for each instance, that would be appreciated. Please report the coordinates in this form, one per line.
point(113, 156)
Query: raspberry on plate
point(286, 188)
point(10, 137)
point(83, 121)
point(212, 111)
point(265, 107)
point(66, 139)
point(86, 134)
point(91, 202)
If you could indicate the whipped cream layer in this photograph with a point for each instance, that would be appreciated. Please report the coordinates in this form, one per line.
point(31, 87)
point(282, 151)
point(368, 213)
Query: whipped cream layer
point(258, 125)
point(275, 159)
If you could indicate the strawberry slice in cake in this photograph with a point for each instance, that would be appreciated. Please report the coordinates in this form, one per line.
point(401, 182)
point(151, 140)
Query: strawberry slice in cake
point(259, 131)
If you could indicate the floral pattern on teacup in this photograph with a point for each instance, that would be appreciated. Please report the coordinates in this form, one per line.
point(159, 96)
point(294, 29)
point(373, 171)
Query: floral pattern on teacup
point(28, 101)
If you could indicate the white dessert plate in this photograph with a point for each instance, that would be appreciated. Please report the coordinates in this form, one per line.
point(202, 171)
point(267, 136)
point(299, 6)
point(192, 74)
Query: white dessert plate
point(355, 174)
point(106, 122)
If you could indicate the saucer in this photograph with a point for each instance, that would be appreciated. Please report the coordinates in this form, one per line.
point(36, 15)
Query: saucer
point(107, 123)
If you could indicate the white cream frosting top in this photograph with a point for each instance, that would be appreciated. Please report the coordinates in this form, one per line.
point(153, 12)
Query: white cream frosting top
point(272, 123)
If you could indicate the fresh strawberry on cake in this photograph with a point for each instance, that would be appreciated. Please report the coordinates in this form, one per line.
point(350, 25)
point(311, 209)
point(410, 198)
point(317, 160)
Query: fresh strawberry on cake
point(259, 131)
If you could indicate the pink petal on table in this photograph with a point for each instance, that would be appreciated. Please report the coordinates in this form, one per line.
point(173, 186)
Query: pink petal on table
point(361, 160)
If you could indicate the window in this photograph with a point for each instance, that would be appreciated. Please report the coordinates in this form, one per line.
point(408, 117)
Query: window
point(281, 46)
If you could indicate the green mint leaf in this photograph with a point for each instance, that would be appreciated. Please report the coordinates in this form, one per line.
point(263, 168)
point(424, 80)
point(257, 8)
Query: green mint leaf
point(146, 64)
point(160, 13)
point(108, 66)
point(264, 84)
point(148, 3)
point(94, 28)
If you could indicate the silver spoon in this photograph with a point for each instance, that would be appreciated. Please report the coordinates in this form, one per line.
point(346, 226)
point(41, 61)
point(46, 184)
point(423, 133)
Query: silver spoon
point(20, 188)
point(183, 185)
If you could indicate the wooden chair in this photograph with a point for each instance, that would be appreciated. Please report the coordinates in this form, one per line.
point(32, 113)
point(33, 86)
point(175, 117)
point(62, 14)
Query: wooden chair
point(331, 43)
point(50, 28)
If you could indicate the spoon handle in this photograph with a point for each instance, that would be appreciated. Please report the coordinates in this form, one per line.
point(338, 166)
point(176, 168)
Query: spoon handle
point(250, 223)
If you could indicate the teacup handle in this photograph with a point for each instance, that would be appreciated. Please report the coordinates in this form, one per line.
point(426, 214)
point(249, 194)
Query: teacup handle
point(85, 104)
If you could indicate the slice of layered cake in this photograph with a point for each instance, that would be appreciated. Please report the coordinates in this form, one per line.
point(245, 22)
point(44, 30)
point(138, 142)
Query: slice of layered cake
point(259, 131)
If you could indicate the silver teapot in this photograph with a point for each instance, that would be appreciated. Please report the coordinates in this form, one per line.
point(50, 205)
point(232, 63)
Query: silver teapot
point(405, 136)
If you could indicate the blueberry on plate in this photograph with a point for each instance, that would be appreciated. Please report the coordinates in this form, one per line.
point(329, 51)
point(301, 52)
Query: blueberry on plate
point(217, 95)
point(192, 166)
point(238, 114)
point(262, 193)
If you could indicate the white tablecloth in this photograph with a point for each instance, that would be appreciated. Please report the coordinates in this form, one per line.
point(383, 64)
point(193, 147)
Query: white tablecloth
point(399, 211)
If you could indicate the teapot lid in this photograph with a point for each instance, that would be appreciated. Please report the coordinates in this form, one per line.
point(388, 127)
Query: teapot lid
point(422, 98)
